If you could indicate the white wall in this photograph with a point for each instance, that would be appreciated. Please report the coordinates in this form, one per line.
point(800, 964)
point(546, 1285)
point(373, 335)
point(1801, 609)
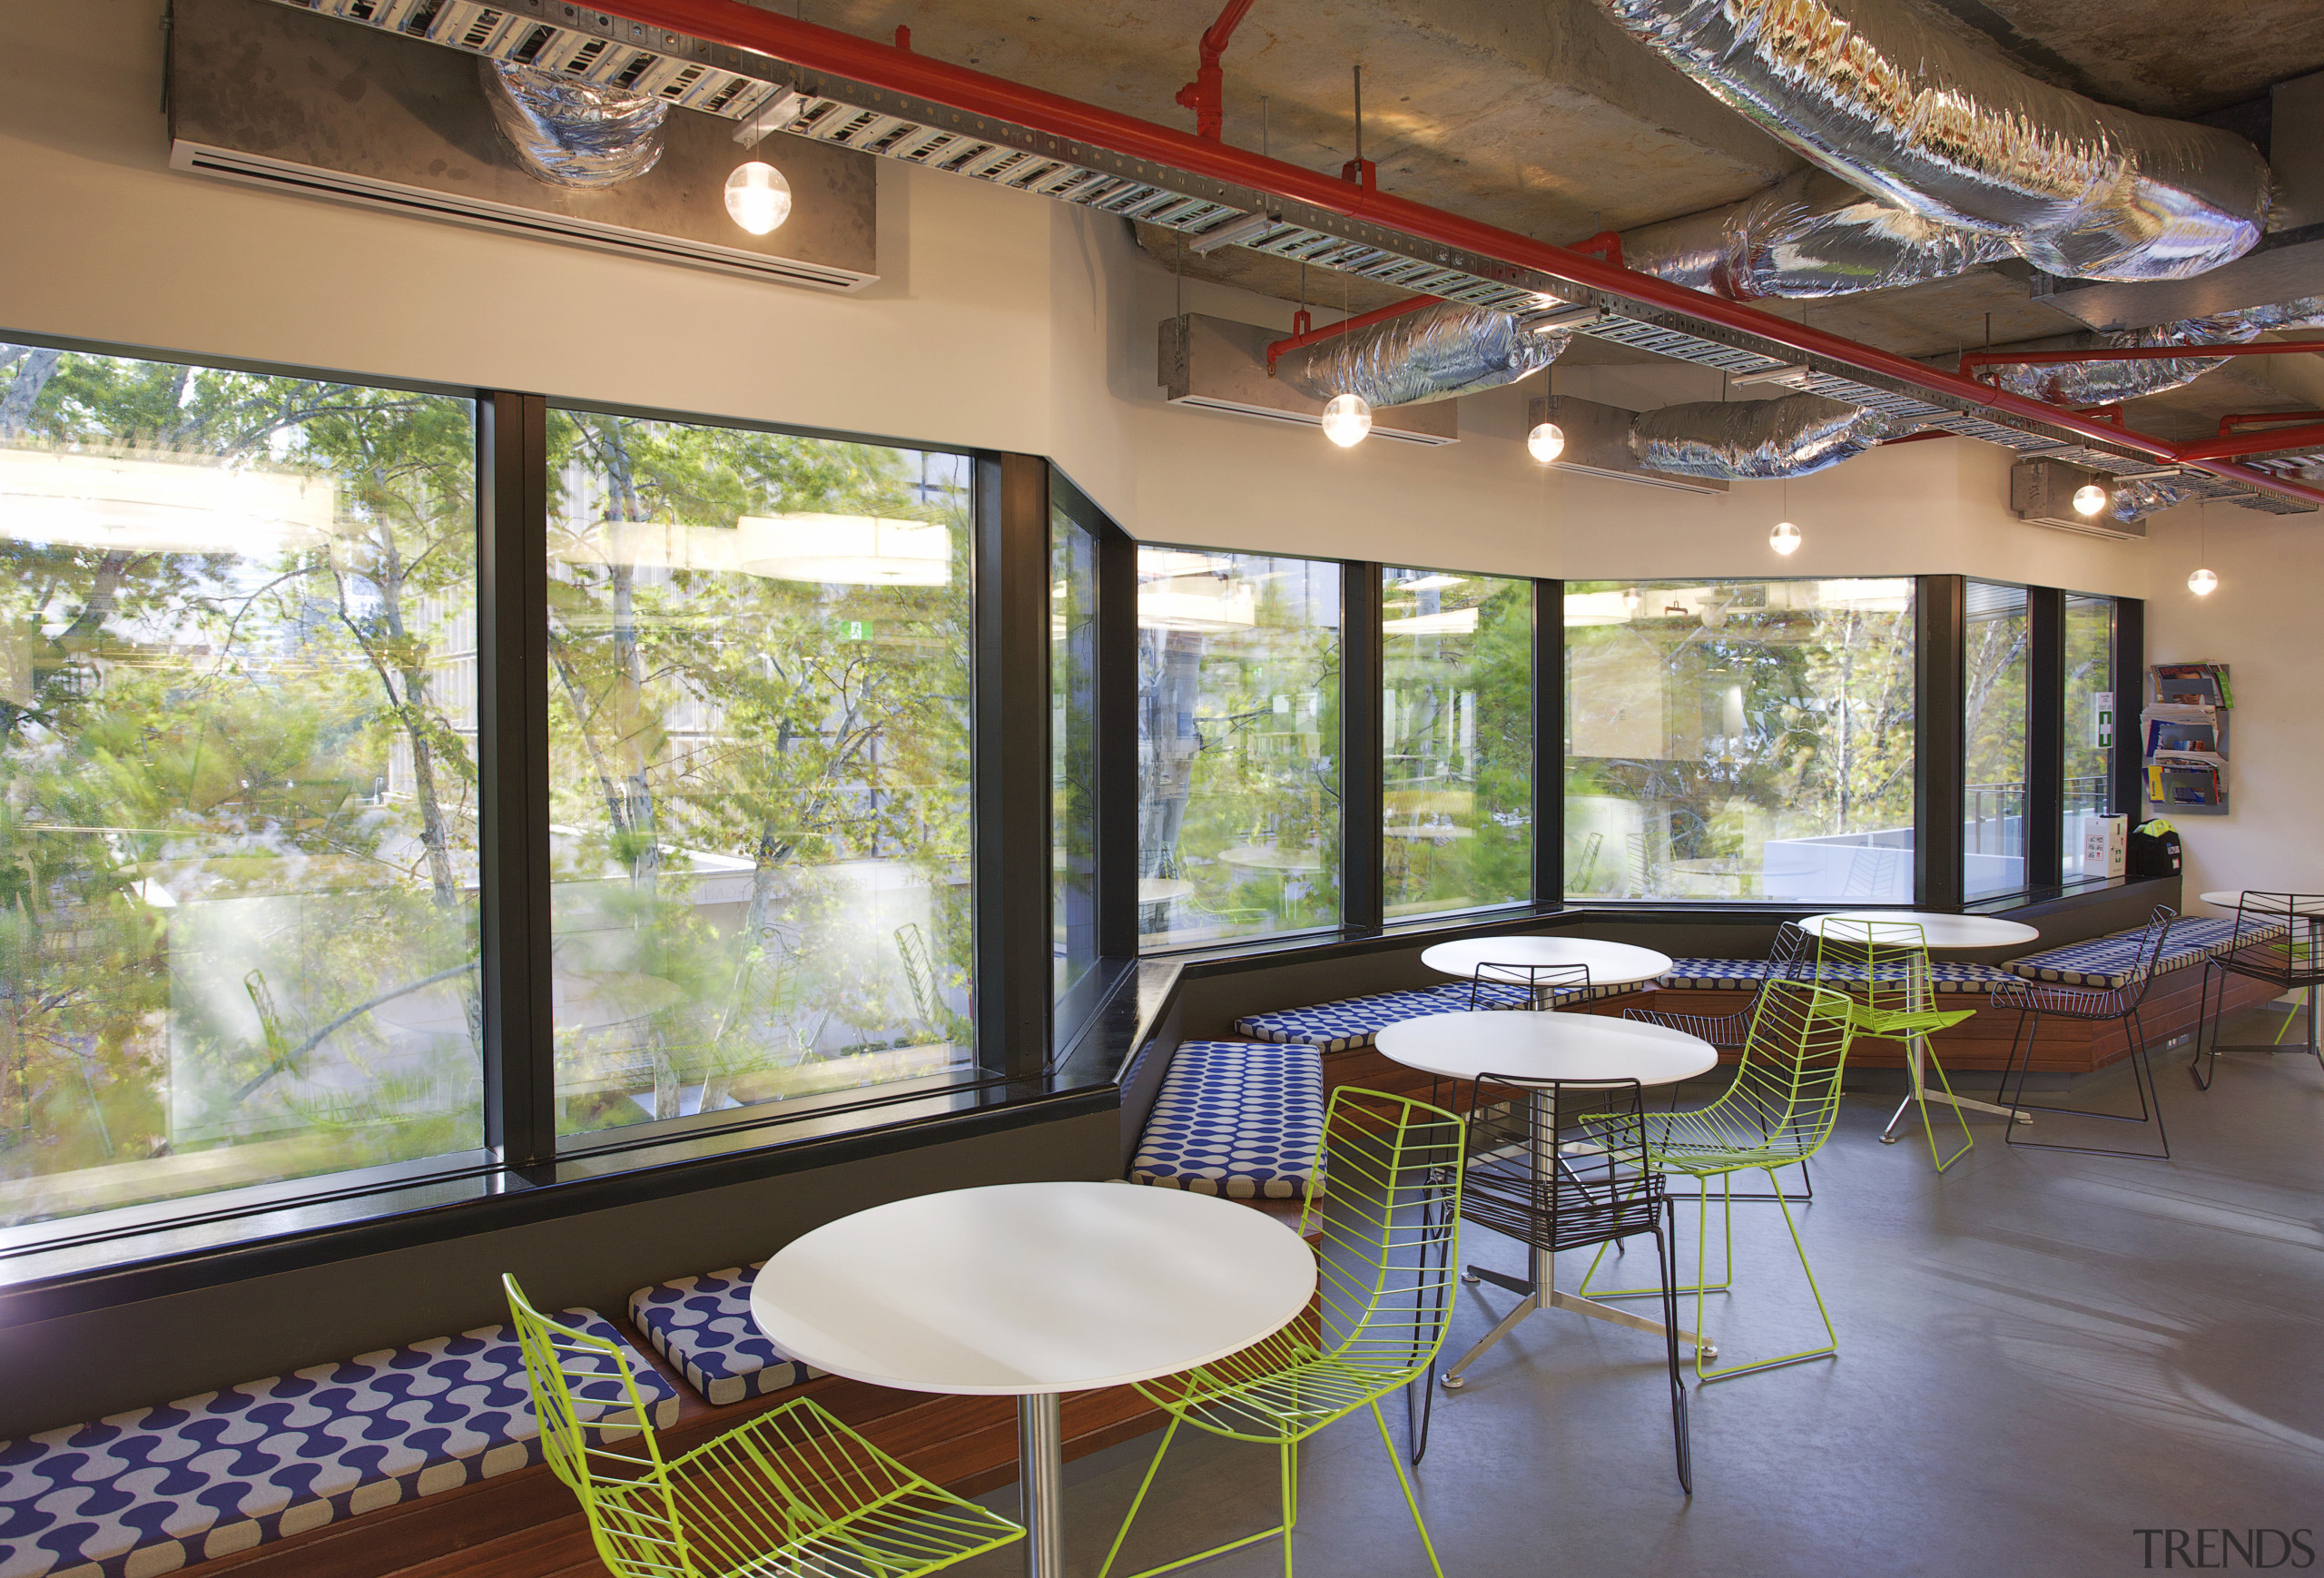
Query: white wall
point(1001, 320)
point(2263, 621)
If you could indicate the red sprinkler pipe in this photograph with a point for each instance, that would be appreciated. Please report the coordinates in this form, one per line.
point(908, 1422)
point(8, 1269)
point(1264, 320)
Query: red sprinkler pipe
point(732, 24)
point(1972, 360)
point(1206, 95)
point(2270, 442)
point(2227, 424)
point(1345, 325)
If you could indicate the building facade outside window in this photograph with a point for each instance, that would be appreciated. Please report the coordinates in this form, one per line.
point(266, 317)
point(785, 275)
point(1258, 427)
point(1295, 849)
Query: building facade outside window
point(2091, 717)
point(1238, 745)
point(1739, 740)
point(238, 781)
point(1994, 658)
point(1457, 733)
point(1073, 742)
point(759, 702)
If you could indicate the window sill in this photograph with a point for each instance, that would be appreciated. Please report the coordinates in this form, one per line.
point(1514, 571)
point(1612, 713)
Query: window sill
point(62, 1266)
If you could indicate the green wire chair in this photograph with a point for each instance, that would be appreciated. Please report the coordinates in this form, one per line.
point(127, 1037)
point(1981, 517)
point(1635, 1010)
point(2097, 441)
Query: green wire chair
point(791, 1492)
point(1778, 1112)
point(1387, 1220)
point(1883, 966)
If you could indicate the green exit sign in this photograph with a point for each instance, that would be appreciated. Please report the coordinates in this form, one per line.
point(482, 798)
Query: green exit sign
point(854, 629)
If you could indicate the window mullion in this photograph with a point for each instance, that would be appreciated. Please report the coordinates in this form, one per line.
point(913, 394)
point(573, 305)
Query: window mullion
point(1362, 762)
point(1548, 744)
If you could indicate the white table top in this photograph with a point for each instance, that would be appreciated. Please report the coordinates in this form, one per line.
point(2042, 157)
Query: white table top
point(1018, 1288)
point(1581, 1047)
point(1611, 963)
point(1939, 930)
point(2232, 898)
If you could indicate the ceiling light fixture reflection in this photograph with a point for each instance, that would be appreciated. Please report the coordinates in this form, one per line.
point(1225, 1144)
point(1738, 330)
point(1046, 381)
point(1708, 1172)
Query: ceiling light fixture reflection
point(160, 504)
point(1346, 419)
point(758, 198)
point(847, 551)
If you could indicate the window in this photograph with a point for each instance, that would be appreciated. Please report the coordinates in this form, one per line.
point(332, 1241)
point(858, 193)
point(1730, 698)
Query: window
point(1457, 729)
point(2090, 724)
point(238, 784)
point(1073, 742)
point(759, 684)
point(1993, 657)
point(1238, 745)
point(1740, 740)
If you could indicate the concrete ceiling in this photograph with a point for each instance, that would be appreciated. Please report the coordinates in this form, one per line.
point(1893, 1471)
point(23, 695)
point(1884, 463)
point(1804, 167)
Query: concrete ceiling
point(1543, 118)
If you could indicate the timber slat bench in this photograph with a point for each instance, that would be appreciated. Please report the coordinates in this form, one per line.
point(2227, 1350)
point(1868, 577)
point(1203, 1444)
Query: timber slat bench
point(158, 1489)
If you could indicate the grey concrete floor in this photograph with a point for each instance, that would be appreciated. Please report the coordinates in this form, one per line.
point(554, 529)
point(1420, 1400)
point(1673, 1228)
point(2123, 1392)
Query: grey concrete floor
point(2040, 1354)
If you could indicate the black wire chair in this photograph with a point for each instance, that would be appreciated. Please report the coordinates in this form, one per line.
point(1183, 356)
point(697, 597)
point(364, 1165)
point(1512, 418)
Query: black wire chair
point(2118, 1004)
point(1791, 957)
point(1557, 1166)
point(2275, 941)
point(1528, 986)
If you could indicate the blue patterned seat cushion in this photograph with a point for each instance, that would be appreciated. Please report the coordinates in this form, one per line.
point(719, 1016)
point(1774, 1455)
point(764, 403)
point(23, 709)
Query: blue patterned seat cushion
point(703, 1326)
point(157, 1489)
point(1744, 974)
point(1353, 1022)
point(1240, 1119)
point(2107, 961)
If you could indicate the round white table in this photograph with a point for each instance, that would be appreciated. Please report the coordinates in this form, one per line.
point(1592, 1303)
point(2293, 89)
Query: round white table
point(1941, 933)
point(1610, 963)
point(1581, 1048)
point(1029, 1290)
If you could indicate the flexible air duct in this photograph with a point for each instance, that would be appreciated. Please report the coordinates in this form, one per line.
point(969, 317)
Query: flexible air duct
point(2100, 383)
point(1869, 92)
point(1423, 355)
point(2149, 496)
point(1755, 440)
point(1811, 234)
point(569, 133)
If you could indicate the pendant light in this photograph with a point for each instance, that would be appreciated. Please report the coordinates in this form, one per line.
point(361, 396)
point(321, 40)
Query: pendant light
point(1546, 442)
point(758, 197)
point(2089, 499)
point(1346, 419)
point(1785, 537)
point(2202, 583)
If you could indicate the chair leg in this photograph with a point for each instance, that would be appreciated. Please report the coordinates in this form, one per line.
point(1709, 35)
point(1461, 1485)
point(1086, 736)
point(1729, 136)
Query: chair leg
point(1139, 1499)
point(1727, 1272)
point(2203, 1017)
point(1666, 1255)
point(1412, 1502)
point(1290, 1468)
point(2009, 1129)
point(1831, 1347)
point(1928, 1125)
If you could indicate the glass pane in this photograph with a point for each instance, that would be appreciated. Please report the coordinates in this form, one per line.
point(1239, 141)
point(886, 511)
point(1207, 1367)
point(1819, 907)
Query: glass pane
point(1739, 740)
point(758, 766)
point(1992, 732)
point(238, 821)
point(2090, 721)
point(1457, 714)
point(1237, 745)
point(1073, 744)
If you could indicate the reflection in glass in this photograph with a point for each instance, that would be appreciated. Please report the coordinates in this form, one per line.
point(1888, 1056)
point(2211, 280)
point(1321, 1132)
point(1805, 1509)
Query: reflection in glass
point(1740, 740)
point(1238, 745)
point(2090, 724)
point(758, 766)
point(1993, 730)
point(1073, 744)
point(1457, 712)
point(237, 780)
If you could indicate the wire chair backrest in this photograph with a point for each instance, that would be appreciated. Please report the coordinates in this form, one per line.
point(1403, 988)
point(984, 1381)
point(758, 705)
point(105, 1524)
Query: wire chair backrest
point(1530, 986)
point(1551, 1162)
point(2132, 992)
point(2272, 933)
point(1787, 1082)
point(1790, 956)
point(585, 1399)
point(1883, 964)
point(1384, 1224)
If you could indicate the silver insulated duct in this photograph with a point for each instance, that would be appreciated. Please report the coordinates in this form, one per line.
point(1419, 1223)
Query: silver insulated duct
point(1428, 354)
point(1869, 92)
point(570, 132)
point(1810, 234)
point(2101, 384)
point(1755, 440)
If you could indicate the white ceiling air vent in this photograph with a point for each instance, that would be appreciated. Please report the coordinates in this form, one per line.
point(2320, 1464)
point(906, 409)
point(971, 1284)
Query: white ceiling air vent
point(1598, 443)
point(279, 97)
point(1216, 365)
point(2042, 492)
